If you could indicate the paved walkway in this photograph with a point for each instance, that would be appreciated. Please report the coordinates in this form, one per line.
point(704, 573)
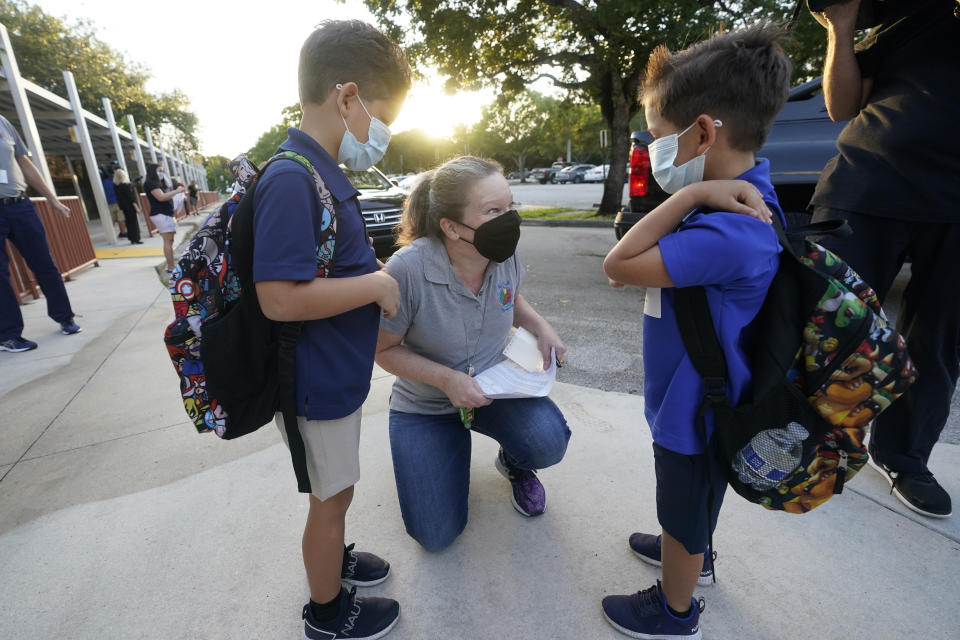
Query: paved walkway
point(118, 521)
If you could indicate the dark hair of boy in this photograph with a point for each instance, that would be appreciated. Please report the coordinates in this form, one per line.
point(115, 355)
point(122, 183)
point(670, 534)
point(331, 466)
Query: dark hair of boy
point(741, 77)
point(340, 51)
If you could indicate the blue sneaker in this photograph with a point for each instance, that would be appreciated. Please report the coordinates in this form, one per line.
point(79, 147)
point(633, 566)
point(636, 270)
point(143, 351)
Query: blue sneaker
point(363, 569)
point(528, 497)
point(70, 327)
point(359, 619)
point(18, 344)
point(644, 615)
point(647, 548)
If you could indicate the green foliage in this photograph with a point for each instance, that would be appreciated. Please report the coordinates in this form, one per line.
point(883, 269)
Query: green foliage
point(46, 45)
point(218, 176)
point(267, 144)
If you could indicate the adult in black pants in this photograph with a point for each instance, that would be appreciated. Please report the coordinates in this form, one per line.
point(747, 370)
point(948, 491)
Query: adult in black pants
point(897, 181)
point(128, 201)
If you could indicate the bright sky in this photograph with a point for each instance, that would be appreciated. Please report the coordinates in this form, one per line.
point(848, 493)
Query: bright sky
point(238, 61)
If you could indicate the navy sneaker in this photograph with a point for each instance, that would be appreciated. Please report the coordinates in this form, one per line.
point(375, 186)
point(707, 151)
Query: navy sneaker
point(363, 569)
point(528, 497)
point(70, 327)
point(647, 548)
point(644, 615)
point(16, 345)
point(359, 619)
point(918, 491)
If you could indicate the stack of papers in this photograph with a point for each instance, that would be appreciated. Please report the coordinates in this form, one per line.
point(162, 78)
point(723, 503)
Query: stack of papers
point(521, 375)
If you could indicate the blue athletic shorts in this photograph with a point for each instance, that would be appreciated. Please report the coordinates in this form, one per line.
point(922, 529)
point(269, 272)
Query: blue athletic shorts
point(683, 490)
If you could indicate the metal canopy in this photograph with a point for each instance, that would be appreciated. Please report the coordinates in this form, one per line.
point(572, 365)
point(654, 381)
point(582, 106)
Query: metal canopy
point(54, 119)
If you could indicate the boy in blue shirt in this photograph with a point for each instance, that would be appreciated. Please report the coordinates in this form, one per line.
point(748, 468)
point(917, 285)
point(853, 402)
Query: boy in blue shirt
point(710, 107)
point(353, 82)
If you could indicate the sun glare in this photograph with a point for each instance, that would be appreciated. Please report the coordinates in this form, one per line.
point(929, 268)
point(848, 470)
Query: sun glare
point(430, 109)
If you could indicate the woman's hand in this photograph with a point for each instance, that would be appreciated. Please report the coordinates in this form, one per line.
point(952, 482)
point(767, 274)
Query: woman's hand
point(464, 392)
point(547, 340)
point(735, 196)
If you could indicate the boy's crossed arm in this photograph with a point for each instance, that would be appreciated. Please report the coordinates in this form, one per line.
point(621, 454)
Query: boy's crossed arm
point(291, 301)
point(636, 258)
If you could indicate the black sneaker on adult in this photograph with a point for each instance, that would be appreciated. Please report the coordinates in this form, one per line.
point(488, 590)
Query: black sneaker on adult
point(647, 547)
point(920, 492)
point(359, 619)
point(363, 569)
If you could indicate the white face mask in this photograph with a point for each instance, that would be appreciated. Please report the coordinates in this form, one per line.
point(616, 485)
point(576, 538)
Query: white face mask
point(663, 152)
point(360, 156)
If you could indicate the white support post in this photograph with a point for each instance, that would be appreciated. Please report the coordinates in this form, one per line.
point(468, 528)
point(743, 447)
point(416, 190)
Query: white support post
point(28, 125)
point(114, 135)
point(138, 152)
point(89, 158)
point(163, 157)
point(153, 150)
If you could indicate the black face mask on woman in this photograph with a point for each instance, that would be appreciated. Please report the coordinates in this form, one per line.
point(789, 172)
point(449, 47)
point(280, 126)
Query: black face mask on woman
point(497, 239)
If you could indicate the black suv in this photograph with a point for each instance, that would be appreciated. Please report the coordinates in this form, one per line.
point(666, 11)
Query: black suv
point(381, 202)
point(802, 140)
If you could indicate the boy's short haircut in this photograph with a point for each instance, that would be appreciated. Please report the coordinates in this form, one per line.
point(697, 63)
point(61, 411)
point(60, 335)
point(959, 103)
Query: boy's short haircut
point(341, 51)
point(741, 77)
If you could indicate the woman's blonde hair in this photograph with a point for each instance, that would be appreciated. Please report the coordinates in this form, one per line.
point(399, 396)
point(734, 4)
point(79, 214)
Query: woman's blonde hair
point(120, 177)
point(442, 193)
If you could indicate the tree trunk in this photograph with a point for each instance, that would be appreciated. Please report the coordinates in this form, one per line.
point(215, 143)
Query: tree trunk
point(521, 159)
point(619, 147)
point(619, 125)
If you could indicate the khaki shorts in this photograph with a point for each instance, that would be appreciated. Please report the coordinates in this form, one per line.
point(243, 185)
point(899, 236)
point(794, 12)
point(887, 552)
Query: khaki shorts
point(333, 452)
point(115, 214)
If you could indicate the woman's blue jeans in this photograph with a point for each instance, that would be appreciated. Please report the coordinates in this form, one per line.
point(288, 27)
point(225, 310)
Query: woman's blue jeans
point(431, 459)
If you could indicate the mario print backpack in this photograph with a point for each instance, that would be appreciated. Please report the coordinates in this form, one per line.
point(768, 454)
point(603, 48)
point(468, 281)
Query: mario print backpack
point(825, 363)
point(236, 367)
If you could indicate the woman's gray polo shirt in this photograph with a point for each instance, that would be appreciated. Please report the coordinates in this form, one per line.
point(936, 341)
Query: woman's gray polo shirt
point(443, 321)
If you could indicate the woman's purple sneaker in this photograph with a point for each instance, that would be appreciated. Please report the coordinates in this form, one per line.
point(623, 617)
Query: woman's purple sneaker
point(528, 498)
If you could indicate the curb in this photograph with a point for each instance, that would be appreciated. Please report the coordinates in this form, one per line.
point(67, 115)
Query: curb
point(568, 223)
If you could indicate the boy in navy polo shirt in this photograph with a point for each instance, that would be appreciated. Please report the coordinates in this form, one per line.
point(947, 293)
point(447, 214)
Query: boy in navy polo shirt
point(352, 82)
point(710, 107)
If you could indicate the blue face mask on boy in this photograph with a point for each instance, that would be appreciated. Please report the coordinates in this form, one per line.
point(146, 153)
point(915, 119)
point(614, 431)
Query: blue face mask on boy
point(360, 156)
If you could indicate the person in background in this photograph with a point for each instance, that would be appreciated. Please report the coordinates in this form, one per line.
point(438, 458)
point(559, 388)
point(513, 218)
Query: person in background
point(193, 192)
point(128, 201)
point(161, 210)
point(179, 199)
point(106, 178)
point(20, 224)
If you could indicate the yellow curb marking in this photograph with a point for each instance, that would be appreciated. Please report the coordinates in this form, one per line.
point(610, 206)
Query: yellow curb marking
point(132, 252)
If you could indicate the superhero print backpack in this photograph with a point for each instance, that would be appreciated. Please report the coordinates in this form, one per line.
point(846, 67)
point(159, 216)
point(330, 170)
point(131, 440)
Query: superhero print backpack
point(825, 363)
point(236, 367)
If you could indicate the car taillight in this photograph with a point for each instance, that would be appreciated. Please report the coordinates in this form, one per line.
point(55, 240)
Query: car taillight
point(639, 172)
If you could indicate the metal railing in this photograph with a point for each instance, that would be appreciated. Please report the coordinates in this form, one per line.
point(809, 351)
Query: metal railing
point(69, 243)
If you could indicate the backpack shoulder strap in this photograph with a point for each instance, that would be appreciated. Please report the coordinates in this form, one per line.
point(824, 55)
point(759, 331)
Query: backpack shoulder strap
point(327, 241)
point(700, 340)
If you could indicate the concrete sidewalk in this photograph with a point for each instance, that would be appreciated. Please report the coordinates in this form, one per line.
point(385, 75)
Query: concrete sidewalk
point(117, 520)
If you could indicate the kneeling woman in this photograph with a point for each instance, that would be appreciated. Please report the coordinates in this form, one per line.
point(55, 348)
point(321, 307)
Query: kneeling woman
point(459, 296)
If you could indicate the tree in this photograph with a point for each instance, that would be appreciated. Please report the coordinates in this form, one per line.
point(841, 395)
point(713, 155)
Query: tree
point(46, 45)
point(218, 175)
point(596, 50)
